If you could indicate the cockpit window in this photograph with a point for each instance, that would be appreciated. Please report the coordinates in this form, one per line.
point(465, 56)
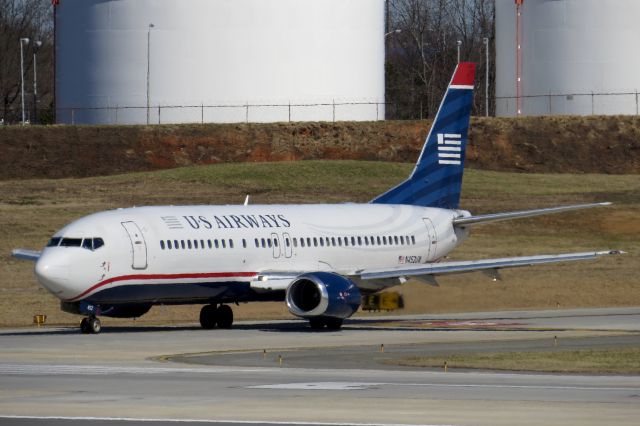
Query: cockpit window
point(54, 242)
point(92, 243)
point(71, 242)
point(87, 243)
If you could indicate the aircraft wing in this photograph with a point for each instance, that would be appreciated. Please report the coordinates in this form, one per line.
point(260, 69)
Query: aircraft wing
point(445, 268)
point(495, 217)
point(25, 254)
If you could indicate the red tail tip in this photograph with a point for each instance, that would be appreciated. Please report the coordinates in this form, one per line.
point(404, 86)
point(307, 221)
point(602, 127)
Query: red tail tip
point(465, 74)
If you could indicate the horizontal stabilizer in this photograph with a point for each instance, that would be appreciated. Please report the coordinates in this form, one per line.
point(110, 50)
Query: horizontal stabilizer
point(26, 254)
point(444, 268)
point(495, 217)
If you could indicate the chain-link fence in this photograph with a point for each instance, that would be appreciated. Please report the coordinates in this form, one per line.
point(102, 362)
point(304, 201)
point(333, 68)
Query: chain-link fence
point(625, 103)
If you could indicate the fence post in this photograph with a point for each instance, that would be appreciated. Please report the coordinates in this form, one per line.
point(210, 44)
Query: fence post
point(636, 101)
point(592, 107)
point(550, 108)
point(73, 116)
point(289, 111)
point(202, 114)
point(377, 114)
point(334, 110)
point(158, 114)
point(246, 117)
point(116, 114)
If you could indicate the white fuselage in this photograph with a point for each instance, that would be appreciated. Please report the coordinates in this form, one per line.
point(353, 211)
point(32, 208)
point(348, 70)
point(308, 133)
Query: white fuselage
point(177, 254)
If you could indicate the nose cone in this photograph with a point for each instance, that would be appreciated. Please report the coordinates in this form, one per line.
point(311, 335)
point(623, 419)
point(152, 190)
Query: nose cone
point(52, 271)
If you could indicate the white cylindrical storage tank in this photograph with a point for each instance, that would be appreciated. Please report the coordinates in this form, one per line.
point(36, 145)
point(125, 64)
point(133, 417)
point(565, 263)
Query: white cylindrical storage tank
point(168, 61)
point(578, 57)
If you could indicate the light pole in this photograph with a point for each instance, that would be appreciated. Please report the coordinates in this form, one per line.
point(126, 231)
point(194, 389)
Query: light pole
point(148, 67)
point(485, 41)
point(458, 44)
point(23, 41)
point(36, 47)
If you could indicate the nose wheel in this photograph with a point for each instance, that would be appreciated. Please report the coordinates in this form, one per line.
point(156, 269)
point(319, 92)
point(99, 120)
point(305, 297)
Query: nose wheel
point(90, 325)
point(212, 316)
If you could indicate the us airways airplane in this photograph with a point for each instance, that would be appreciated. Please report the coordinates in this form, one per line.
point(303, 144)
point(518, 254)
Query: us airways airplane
point(320, 258)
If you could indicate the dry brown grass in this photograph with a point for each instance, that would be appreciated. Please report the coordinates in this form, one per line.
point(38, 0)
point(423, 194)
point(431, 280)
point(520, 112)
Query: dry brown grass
point(32, 210)
point(612, 361)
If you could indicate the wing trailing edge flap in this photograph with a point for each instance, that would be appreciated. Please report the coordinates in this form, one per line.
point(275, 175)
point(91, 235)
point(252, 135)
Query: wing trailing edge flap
point(24, 254)
point(495, 217)
point(427, 273)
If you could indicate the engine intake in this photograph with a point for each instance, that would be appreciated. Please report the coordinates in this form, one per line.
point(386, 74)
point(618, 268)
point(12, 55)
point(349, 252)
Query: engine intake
point(323, 294)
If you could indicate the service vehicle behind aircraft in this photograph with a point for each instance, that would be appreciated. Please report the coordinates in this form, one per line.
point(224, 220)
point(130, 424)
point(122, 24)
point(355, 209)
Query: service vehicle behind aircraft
point(319, 258)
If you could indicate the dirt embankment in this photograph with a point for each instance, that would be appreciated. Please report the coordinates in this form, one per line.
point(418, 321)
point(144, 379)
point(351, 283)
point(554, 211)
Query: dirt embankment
point(531, 144)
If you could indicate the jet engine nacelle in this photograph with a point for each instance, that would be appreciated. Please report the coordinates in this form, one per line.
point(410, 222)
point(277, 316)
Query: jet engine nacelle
point(323, 294)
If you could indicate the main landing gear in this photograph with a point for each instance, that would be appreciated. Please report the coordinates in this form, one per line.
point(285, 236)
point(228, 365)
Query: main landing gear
point(332, 324)
point(212, 316)
point(90, 325)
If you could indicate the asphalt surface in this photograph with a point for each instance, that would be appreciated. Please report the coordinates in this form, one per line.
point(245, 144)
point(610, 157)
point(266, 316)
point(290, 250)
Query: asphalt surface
point(160, 375)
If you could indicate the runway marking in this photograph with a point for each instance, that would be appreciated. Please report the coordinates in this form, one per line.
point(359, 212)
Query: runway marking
point(101, 370)
point(319, 386)
point(363, 386)
point(240, 422)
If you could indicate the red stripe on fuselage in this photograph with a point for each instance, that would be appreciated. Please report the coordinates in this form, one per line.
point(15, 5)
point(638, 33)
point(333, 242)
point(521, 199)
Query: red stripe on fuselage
point(163, 277)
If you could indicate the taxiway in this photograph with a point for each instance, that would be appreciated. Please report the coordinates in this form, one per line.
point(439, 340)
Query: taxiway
point(281, 373)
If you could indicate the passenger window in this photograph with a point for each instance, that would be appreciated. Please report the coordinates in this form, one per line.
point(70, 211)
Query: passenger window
point(195, 243)
point(269, 242)
point(287, 242)
point(209, 244)
point(384, 240)
point(346, 241)
point(401, 240)
point(216, 243)
point(395, 239)
point(230, 243)
point(54, 242)
point(301, 242)
point(321, 242)
point(308, 241)
point(413, 240)
point(257, 243)
point(295, 242)
point(315, 242)
point(175, 244)
point(264, 243)
point(224, 243)
point(201, 244)
point(162, 244)
point(189, 243)
point(169, 244)
point(244, 243)
point(359, 241)
point(353, 241)
point(275, 242)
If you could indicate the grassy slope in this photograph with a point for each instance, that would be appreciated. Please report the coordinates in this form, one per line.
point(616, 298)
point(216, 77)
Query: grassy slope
point(32, 210)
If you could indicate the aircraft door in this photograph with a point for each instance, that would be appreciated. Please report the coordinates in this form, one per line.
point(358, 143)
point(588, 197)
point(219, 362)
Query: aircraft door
point(432, 239)
point(138, 245)
point(275, 244)
point(288, 250)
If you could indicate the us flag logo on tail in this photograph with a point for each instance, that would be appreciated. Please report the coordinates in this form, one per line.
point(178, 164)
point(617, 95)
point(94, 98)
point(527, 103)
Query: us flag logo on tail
point(449, 150)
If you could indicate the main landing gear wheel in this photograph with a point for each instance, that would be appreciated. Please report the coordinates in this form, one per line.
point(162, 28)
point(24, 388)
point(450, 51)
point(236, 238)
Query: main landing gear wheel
point(90, 326)
point(225, 316)
point(212, 316)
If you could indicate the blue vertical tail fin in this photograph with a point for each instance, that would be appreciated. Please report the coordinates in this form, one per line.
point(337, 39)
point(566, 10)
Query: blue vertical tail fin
point(436, 180)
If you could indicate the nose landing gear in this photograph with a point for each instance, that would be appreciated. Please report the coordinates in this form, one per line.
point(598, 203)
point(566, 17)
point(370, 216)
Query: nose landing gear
point(212, 316)
point(90, 325)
